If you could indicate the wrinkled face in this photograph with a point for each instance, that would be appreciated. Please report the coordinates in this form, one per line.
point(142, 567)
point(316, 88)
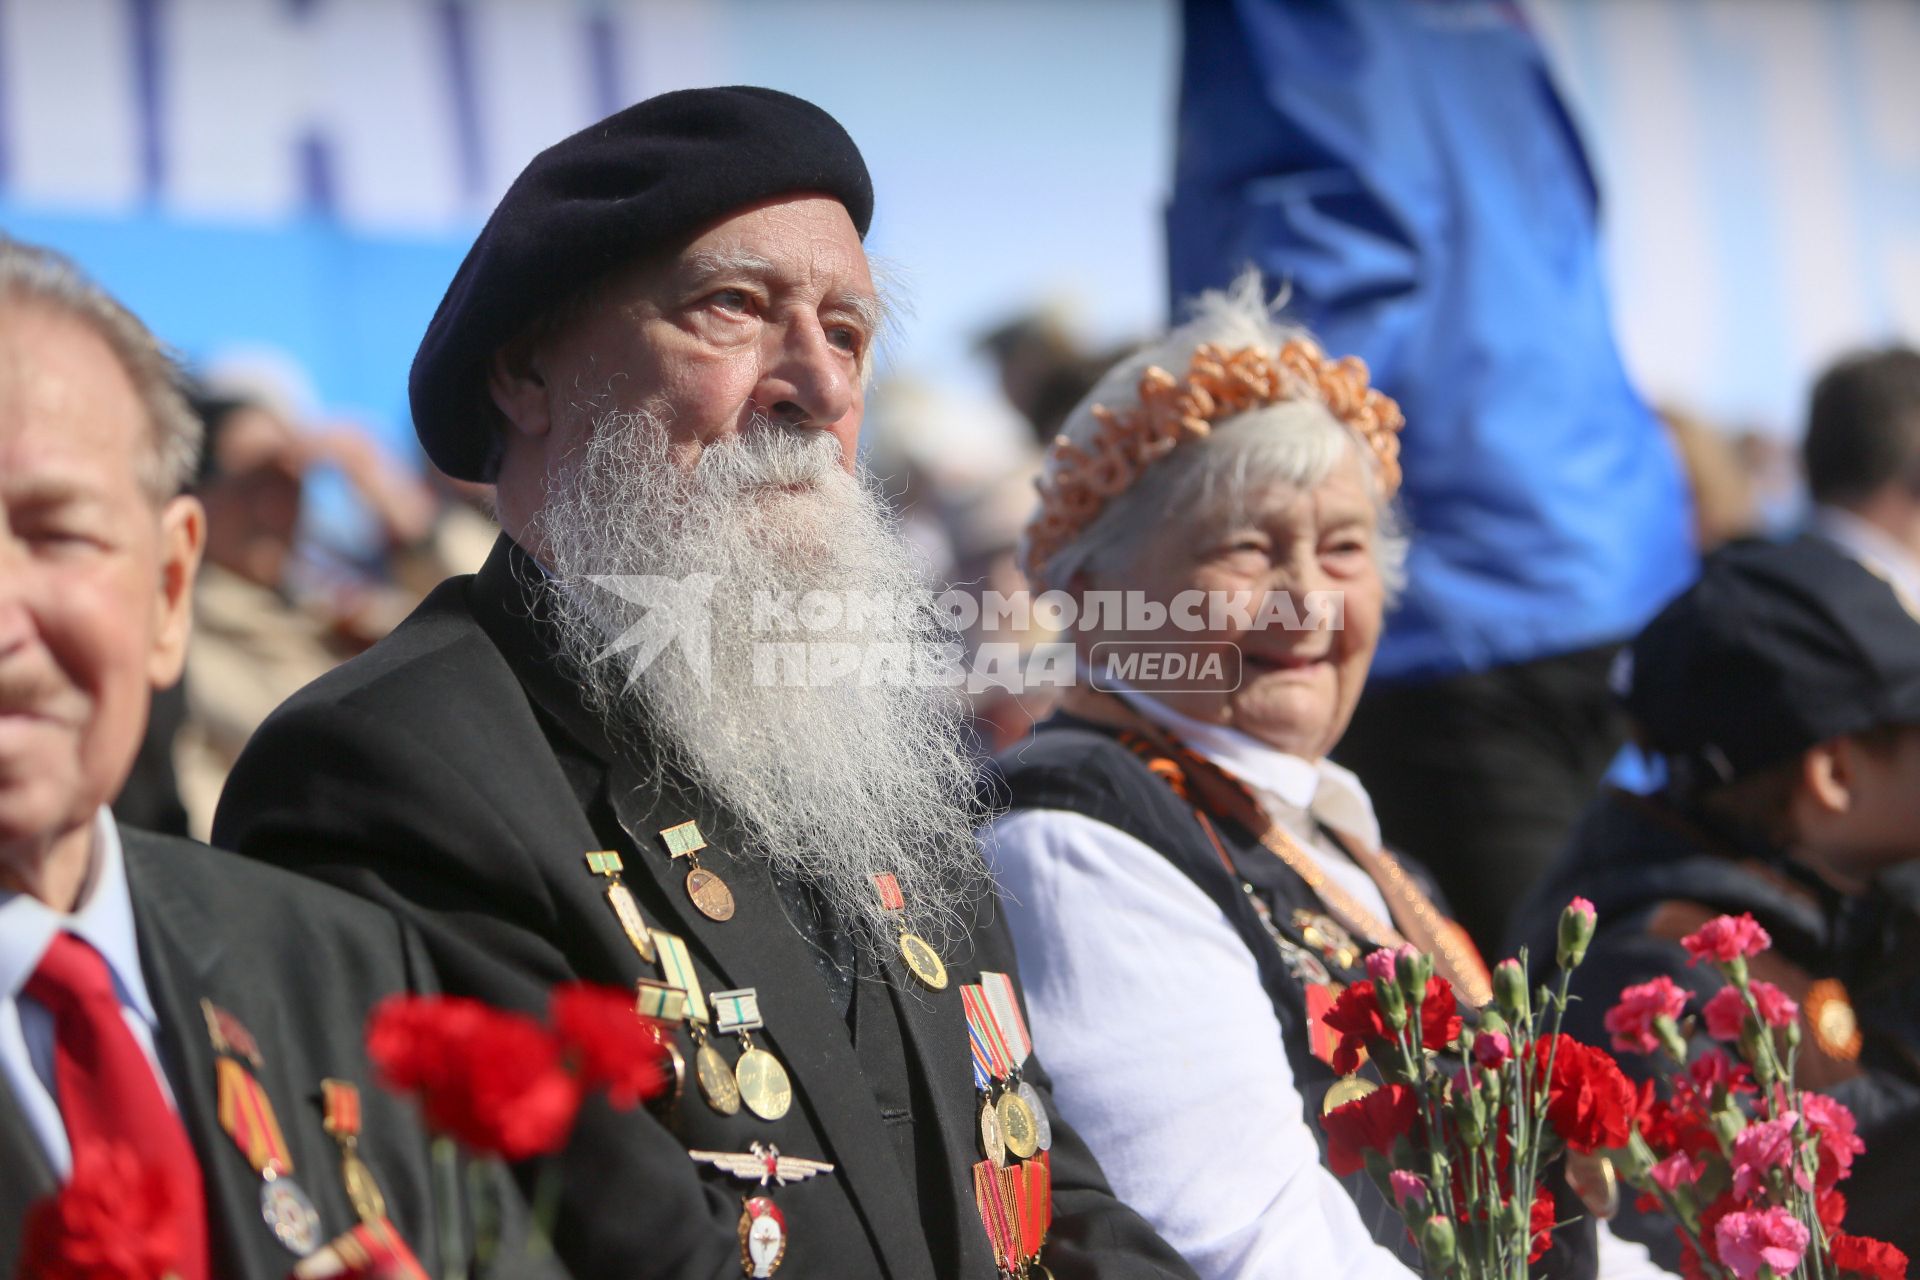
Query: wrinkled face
point(93, 575)
point(1298, 686)
point(770, 313)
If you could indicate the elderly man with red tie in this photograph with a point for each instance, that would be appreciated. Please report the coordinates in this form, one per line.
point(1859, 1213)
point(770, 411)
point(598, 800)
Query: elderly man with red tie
point(177, 1079)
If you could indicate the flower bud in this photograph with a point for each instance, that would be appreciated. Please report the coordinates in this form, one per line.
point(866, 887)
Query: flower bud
point(1510, 990)
point(1668, 1033)
point(1492, 1049)
point(1490, 1020)
point(1413, 968)
point(1409, 1196)
point(1728, 1124)
point(1470, 1113)
point(1393, 1005)
point(1380, 966)
point(1576, 931)
point(1437, 1244)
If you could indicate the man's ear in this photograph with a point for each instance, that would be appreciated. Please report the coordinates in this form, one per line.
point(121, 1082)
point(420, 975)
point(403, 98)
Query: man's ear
point(1826, 776)
point(183, 536)
point(518, 389)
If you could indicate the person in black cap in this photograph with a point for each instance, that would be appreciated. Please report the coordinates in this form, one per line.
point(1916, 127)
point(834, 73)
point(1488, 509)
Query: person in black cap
point(601, 758)
point(1781, 697)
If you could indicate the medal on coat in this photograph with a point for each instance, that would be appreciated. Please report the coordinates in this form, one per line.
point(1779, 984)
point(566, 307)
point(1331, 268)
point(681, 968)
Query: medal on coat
point(606, 862)
point(229, 1035)
point(246, 1115)
point(679, 998)
point(1016, 1210)
point(923, 962)
point(763, 1083)
point(364, 1251)
point(340, 1101)
point(1328, 936)
point(763, 1228)
point(708, 891)
point(1042, 1127)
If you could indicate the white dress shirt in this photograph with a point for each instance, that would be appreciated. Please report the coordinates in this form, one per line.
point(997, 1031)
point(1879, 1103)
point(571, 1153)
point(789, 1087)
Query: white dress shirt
point(104, 920)
point(1162, 1044)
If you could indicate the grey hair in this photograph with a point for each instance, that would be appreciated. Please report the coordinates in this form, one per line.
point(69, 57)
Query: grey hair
point(36, 275)
point(1295, 444)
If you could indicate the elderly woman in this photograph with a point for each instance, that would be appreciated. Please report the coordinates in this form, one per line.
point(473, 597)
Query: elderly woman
point(1189, 878)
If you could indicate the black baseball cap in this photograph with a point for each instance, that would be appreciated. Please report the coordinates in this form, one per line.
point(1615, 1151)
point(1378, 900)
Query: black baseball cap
point(1779, 646)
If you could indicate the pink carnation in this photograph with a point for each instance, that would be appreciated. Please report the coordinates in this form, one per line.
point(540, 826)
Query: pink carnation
point(1834, 1129)
point(1725, 1014)
point(1761, 1148)
point(1631, 1021)
point(1774, 1239)
point(1777, 1008)
point(1726, 938)
point(1580, 906)
point(1407, 1188)
point(1677, 1170)
point(1380, 965)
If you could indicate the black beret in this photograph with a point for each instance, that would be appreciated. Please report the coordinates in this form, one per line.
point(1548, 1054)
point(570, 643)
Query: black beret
point(1777, 648)
point(594, 202)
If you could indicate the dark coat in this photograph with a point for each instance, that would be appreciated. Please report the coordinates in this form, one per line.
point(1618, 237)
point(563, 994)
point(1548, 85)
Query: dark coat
point(300, 966)
point(1654, 875)
point(452, 773)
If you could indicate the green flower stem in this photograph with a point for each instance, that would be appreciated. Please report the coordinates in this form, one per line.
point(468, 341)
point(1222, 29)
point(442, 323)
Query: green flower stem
point(546, 1210)
point(446, 1179)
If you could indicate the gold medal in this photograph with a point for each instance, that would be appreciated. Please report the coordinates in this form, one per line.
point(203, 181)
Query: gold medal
point(717, 1084)
point(363, 1193)
point(1346, 1089)
point(763, 1084)
point(1327, 936)
point(992, 1141)
point(710, 894)
point(606, 862)
point(1018, 1128)
point(708, 891)
point(923, 961)
point(1591, 1176)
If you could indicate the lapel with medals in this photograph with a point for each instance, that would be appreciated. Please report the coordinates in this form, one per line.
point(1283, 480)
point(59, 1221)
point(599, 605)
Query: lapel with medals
point(833, 1116)
point(274, 1179)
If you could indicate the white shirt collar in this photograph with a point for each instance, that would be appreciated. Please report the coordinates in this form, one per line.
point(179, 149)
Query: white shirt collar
point(1873, 546)
point(1321, 788)
point(104, 921)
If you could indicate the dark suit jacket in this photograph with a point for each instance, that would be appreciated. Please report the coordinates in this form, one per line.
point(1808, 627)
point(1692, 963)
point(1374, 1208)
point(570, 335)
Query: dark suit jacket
point(299, 965)
point(452, 773)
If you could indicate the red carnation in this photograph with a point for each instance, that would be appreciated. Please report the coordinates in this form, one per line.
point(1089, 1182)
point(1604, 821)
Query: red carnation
point(1372, 1123)
point(490, 1079)
point(1858, 1256)
point(1725, 939)
point(1356, 1018)
point(1831, 1208)
point(1590, 1102)
point(115, 1219)
point(1541, 1219)
point(611, 1044)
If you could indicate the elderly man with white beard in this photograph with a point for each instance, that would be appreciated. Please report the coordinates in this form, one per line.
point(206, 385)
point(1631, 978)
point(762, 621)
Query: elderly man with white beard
point(572, 766)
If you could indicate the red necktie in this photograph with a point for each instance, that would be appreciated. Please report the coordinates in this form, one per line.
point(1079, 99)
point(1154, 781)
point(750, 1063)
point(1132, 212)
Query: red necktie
point(106, 1086)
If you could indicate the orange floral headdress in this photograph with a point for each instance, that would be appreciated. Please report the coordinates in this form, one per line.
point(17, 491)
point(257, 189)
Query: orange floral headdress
point(1079, 481)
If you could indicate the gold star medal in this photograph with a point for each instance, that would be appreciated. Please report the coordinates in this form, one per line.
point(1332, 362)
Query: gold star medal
point(923, 962)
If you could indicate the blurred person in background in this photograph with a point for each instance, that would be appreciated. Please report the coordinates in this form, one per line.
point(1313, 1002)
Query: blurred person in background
point(1189, 879)
point(1862, 457)
point(260, 636)
point(1725, 506)
point(1454, 250)
point(1781, 695)
point(163, 1041)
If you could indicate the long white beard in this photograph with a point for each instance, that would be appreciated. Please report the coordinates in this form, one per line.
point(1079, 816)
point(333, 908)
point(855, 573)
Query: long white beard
point(834, 783)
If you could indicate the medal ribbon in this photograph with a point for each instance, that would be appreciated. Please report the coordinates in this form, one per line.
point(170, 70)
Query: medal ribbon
point(341, 1101)
point(676, 966)
point(247, 1116)
point(1004, 1005)
point(1039, 1178)
point(988, 1039)
point(993, 1213)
